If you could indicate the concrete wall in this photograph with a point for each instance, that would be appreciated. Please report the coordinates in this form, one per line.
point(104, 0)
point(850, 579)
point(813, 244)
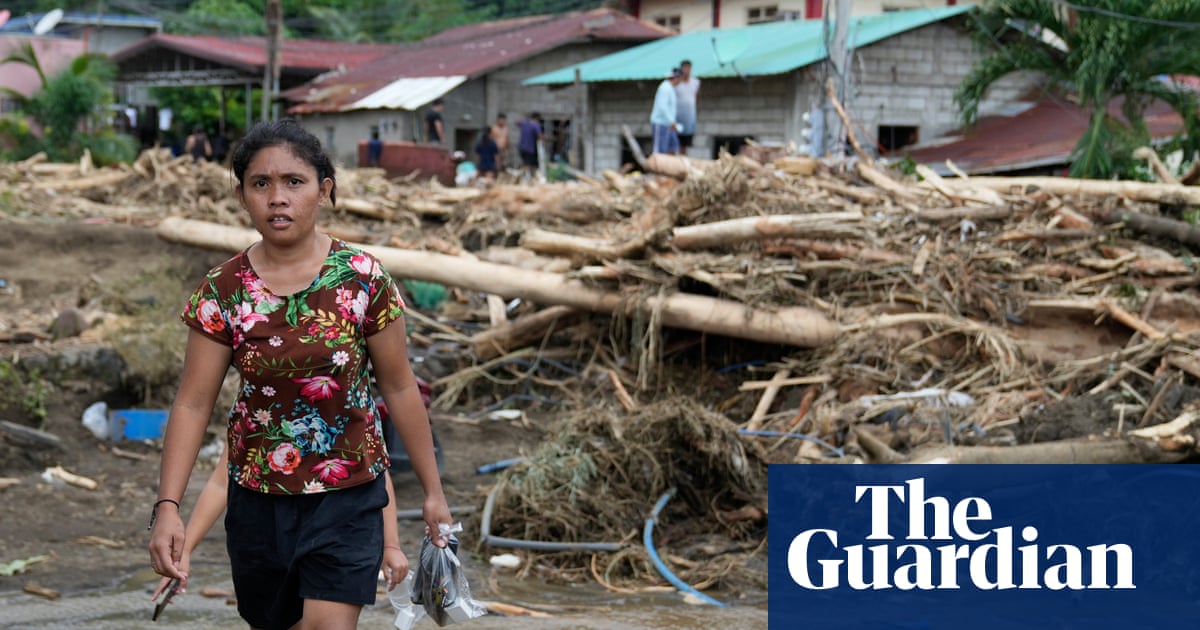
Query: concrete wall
point(910, 80)
point(907, 80)
point(340, 133)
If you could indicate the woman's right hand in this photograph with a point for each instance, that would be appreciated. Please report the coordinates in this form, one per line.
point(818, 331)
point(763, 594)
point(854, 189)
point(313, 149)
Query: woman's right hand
point(166, 542)
point(185, 562)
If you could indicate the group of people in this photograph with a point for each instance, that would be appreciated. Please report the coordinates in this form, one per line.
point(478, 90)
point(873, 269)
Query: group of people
point(492, 148)
point(673, 117)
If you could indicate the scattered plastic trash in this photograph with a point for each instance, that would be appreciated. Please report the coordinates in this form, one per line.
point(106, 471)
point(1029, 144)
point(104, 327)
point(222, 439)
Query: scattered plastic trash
point(9, 569)
point(95, 418)
point(506, 414)
point(505, 561)
point(936, 395)
point(426, 295)
point(137, 424)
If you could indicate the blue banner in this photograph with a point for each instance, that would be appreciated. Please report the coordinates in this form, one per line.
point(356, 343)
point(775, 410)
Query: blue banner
point(984, 547)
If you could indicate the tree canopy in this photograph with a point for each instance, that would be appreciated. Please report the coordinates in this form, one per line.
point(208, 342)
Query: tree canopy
point(338, 20)
point(1109, 54)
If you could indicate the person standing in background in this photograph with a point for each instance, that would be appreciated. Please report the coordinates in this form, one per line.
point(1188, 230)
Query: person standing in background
point(527, 144)
point(489, 156)
point(499, 134)
point(687, 100)
point(374, 148)
point(663, 125)
point(435, 130)
point(197, 145)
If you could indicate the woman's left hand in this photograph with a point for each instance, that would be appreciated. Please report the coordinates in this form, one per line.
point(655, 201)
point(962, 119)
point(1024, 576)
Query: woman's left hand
point(395, 566)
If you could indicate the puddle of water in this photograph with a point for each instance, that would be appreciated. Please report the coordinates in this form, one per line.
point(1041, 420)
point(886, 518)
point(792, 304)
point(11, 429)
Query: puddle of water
point(573, 607)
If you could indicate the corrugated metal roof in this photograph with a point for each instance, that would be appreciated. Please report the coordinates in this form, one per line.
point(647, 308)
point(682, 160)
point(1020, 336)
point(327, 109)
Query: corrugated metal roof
point(250, 53)
point(468, 51)
point(1041, 136)
point(761, 49)
point(409, 93)
point(26, 23)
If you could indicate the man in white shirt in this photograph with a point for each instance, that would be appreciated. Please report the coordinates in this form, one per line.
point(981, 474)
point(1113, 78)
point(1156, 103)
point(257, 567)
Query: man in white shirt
point(662, 118)
point(687, 98)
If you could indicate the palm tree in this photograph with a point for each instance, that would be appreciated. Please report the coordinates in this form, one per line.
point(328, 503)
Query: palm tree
point(68, 99)
point(1103, 52)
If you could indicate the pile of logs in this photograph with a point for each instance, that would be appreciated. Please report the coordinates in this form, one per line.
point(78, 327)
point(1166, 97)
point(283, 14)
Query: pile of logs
point(862, 287)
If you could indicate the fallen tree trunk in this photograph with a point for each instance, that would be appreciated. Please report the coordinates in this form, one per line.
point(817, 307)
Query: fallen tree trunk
point(1060, 452)
point(824, 225)
point(796, 326)
point(559, 244)
point(1138, 191)
point(505, 338)
point(1163, 227)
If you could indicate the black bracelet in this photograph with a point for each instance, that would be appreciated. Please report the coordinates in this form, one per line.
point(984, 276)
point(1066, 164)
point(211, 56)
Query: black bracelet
point(154, 511)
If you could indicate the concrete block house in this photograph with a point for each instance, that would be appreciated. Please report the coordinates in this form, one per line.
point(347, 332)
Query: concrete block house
point(759, 81)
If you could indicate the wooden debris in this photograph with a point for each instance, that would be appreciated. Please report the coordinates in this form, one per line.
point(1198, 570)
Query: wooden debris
point(40, 591)
point(79, 481)
point(791, 325)
point(100, 541)
point(29, 436)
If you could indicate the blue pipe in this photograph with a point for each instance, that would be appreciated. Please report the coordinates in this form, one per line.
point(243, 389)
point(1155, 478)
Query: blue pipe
point(836, 451)
point(648, 541)
point(498, 466)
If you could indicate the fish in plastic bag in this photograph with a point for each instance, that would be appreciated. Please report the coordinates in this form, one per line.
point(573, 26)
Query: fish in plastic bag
point(440, 585)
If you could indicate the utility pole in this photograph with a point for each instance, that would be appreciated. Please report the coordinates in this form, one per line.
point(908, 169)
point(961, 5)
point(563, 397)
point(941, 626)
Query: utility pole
point(839, 64)
point(270, 85)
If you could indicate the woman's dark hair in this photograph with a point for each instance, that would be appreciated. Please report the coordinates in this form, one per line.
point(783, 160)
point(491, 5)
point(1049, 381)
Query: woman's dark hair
point(289, 133)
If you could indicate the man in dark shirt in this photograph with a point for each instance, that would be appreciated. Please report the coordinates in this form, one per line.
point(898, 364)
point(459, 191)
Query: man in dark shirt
point(374, 148)
point(488, 152)
point(434, 130)
point(527, 145)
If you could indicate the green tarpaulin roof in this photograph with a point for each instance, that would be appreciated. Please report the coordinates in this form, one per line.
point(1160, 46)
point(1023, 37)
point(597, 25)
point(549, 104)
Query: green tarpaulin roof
point(759, 50)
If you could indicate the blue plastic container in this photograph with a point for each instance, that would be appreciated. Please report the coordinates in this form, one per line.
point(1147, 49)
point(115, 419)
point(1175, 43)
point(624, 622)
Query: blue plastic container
point(137, 424)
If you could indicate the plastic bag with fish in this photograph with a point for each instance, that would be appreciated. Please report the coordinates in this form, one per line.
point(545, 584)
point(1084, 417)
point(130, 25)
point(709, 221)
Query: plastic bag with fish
point(440, 586)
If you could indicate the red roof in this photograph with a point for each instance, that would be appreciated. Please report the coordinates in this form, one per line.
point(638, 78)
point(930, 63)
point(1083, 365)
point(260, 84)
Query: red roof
point(1043, 135)
point(250, 53)
point(469, 51)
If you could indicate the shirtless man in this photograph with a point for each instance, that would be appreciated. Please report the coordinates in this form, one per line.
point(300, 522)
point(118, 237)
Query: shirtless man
point(499, 133)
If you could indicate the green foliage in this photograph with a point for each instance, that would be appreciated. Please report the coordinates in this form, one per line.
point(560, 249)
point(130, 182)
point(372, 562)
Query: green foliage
point(17, 141)
point(70, 97)
point(557, 172)
point(23, 393)
point(224, 17)
point(908, 166)
point(1109, 53)
point(109, 147)
point(202, 106)
point(418, 19)
point(1192, 216)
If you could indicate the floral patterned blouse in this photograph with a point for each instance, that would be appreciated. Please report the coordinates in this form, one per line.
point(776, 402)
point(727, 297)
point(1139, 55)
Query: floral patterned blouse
point(304, 420)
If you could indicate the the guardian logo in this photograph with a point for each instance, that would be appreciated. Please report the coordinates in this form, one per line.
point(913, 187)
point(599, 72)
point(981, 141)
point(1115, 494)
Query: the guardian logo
point(949, 547)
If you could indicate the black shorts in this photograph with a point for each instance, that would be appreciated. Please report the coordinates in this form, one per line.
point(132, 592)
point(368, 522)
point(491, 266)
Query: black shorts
point(529, 158)
point(284, 549)
point(685, 140)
